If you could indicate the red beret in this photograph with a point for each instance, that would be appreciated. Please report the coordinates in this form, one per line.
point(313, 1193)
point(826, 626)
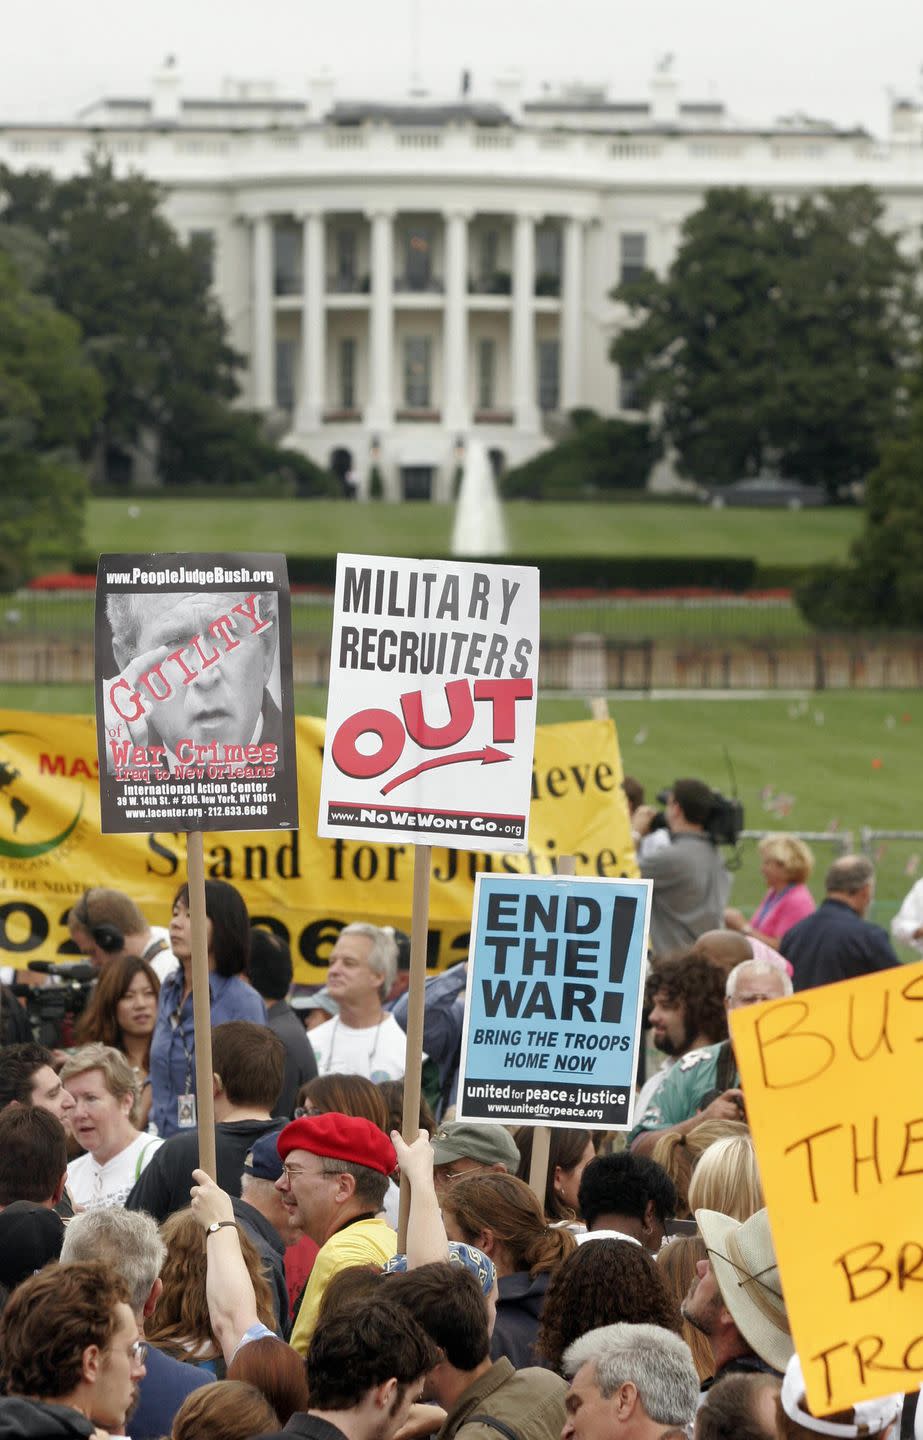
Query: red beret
point(341, 1137)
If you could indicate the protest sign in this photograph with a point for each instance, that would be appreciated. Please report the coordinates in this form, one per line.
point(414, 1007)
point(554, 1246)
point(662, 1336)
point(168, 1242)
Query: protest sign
point(431, 703)
point(553, 1006)
point(304, 887)
point(195, 713)
point(831, 1082)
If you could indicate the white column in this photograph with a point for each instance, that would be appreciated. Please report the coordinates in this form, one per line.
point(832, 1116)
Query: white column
point(571, 315)
point(525, 403)
point(456, 408)
point(312, 396)
point(262, 341)
point(381, 322)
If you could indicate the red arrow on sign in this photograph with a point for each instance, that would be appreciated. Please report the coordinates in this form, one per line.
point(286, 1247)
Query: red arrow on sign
point(488, 756)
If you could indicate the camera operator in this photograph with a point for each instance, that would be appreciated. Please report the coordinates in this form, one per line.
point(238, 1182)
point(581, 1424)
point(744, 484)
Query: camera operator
point(691, 880)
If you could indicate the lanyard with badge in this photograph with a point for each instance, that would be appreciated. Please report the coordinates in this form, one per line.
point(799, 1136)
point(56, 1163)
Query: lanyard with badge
point(185, 1103)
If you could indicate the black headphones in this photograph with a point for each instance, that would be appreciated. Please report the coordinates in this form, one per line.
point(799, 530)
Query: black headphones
point(108, 937)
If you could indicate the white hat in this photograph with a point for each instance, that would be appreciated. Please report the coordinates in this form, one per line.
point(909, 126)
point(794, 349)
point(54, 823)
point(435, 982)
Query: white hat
point(744, 1262)
point(872, 1416)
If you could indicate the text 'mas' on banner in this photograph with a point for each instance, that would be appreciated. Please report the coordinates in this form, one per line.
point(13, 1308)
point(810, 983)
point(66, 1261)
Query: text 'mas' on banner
point(431, 704)
point(831, 1078)
point(554, 999)
point(194, 699)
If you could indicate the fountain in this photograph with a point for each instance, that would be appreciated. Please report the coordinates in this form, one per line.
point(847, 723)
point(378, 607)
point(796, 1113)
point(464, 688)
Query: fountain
point(479, 528)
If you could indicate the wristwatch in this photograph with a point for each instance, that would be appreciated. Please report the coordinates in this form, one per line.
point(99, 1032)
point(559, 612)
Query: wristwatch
point(219, 1225)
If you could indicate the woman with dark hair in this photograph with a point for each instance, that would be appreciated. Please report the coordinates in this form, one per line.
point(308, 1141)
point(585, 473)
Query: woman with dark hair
point(227, 929)
point(570, 1153)
point(121, 1013)
point(393, 1094)
point(604, 1283)
point(501, 1216)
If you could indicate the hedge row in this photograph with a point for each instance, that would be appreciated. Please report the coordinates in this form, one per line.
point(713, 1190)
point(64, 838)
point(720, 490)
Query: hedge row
point(736, 573)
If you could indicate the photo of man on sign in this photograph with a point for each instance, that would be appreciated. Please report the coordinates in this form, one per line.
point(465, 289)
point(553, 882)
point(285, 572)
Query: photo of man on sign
point(195, 722)
point(196, 680)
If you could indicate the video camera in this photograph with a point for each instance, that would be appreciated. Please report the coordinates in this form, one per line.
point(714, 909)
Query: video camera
point(721, 818)
point(726, 820)
point(52, 1009)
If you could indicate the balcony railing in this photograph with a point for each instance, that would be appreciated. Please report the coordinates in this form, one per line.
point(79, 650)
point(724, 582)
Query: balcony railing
point(499, 283)
point(349, 284)
point(418, 285)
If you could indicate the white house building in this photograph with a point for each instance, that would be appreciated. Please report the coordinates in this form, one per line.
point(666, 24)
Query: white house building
point(403, 277)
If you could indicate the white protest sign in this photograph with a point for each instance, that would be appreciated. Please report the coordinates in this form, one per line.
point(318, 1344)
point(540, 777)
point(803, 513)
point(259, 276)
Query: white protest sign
point(431, 705)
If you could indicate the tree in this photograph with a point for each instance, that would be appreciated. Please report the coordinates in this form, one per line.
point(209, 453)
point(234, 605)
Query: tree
point(777, 340)
point(596, 457)
point(50, 399)
point(142, 300)
point(883, 588)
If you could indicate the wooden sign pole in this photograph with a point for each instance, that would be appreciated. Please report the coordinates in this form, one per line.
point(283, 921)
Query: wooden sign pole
point(419, 930)
point(201, 1005)
point(541, 1134)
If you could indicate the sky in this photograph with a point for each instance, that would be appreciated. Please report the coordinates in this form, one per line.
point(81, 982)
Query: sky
point(764, 58)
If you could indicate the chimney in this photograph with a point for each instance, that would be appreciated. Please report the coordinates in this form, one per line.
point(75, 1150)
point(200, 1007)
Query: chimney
point(166, 97)
point(321, 89)
point(509, 93)
point(664, 93)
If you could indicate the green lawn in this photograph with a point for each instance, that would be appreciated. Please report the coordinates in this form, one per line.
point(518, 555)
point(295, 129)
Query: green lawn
point(323, 527)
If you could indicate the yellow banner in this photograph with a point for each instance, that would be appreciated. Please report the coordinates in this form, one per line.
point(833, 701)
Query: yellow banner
point(51, 849)
point(831, 1078)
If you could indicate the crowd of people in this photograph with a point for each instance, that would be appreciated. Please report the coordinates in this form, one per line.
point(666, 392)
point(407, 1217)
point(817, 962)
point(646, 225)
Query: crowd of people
point(635, 1296)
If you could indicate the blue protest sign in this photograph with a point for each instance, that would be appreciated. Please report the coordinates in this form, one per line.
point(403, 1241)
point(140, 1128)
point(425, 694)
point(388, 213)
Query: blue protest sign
point(553, 1006)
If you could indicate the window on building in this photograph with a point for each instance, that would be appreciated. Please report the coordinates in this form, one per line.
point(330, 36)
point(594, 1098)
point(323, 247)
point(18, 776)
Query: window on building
point(548, 375)
point(417, 372)
point(488, 255)
point(287, 259)
point(548, 260)
point(202, 244)
point(628, 390)
point(633, 257)
point(285, 374)
point(486, 374)
point(348, 373)
point(418, 258)
point(346, 259)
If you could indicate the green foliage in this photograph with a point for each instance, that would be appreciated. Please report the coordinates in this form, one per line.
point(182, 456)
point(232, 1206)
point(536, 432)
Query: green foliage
point(50, 398)
point(777, 340)
point(140, 296)
point(883, 588)
point(152, 327)
point(599, 456)
point(586, 572)
point(211, 445)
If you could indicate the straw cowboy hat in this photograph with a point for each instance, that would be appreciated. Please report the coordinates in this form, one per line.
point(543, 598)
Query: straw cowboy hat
point(745, 1267)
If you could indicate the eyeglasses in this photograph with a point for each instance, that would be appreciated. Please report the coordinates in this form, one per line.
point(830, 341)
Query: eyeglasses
point(306, 1112)
point(138, 1352)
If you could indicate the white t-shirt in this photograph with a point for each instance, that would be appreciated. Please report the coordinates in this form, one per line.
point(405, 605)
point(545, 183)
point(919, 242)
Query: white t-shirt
point(95, 1187)
point(377, 1052)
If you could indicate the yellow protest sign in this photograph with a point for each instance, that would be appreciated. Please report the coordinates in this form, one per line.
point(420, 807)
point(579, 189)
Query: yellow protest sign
point(51, 848)
point(832, 1084)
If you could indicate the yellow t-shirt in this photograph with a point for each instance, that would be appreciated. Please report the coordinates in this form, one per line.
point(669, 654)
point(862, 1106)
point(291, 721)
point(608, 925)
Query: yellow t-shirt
point(367, 1242)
